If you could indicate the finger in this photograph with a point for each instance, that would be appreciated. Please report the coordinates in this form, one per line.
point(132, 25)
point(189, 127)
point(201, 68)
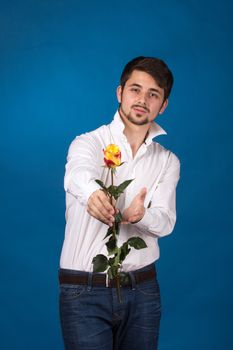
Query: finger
point(105, 200)
point(99, 207)
point(100, 196)
point(97, 214)
point(100, 200)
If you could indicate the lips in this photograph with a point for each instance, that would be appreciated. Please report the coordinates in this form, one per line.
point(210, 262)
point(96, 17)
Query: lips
point(139, 110)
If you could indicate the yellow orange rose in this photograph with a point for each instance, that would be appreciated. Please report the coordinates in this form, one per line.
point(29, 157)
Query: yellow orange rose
point(112, 156)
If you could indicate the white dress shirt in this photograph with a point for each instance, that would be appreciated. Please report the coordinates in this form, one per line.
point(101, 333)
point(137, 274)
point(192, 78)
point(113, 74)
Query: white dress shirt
point(153, 167)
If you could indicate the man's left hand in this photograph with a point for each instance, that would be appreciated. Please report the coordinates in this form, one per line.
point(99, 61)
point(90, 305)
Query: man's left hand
point(136, 210)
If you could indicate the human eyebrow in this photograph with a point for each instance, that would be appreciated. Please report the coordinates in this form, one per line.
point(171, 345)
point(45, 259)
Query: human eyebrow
point(156, 91)
point(134, 84)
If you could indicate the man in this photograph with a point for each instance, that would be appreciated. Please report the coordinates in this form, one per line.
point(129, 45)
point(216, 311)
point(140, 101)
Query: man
point(91, 315)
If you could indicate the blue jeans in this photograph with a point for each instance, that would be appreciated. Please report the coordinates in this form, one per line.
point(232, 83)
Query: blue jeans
point(92, 317)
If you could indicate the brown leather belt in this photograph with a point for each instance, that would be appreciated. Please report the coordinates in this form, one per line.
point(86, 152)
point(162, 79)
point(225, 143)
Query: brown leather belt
point(102, 281)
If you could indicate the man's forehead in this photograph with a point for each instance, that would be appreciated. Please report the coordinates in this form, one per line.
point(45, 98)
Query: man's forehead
point(143, 79)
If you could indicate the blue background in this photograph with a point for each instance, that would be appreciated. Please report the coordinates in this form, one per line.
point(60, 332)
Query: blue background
point(60, 63)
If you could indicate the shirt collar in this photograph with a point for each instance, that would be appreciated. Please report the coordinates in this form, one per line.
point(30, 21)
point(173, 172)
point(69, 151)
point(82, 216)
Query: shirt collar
point(117, 127)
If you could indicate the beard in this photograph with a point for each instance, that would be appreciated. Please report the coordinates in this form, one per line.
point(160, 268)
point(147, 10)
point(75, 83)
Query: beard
point(138, 120)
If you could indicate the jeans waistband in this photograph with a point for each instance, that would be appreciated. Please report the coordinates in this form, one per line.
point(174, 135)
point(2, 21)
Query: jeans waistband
point(131, 278)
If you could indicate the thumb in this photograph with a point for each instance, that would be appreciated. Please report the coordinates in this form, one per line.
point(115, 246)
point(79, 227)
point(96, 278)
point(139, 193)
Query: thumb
point(142, 194)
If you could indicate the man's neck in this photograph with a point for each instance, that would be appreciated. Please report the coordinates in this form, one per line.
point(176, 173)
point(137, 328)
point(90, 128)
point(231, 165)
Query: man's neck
point(135, 134)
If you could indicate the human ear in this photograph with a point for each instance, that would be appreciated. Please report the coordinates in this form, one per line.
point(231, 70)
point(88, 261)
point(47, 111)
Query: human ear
point(119, 92)
point(164, 106)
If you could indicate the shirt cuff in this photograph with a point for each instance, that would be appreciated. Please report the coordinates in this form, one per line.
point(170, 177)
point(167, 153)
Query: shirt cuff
point(92, 187)
point(86, 191)
point(146, 221)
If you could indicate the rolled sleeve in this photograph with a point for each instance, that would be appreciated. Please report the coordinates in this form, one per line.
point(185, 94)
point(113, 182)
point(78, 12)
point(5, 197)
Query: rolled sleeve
point(159, 219)
point(82, 168)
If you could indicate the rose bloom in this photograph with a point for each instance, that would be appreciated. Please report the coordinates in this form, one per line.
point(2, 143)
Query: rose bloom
point(112, 156)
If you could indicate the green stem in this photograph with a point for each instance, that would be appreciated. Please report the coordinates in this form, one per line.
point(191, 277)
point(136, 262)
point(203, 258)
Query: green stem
point(111, 199)
point(112, 185)
point(118, 287)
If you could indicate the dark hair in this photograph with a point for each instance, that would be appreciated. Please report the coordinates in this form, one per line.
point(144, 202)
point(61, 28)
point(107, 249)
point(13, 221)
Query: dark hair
point(153, 66)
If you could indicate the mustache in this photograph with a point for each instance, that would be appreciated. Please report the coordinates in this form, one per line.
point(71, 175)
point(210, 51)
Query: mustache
point(140, 106)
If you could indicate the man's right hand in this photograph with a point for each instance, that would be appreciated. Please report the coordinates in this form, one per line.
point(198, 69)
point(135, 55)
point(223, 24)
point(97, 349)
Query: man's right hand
point(99, 207)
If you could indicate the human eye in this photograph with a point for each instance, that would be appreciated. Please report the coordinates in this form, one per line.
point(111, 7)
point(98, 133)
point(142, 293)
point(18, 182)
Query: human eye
point(153, 95)
point(135, 89)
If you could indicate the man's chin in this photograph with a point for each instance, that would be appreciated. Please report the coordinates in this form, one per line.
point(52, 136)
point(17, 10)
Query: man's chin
point(138, 120)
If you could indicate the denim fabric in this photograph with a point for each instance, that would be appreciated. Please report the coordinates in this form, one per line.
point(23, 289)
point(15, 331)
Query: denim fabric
point(92, 317)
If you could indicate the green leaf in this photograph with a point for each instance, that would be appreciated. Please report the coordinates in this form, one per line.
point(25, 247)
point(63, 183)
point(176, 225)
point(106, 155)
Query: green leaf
point(109, 232)
point(124, 251)
point(111, 245)
point(99, 182)
point(123, 185)
point(100, 263)
point(112, 190)
point(111, 261)
point(116, 191)
point(118, 217)
point(117, 228)
point(117, 258)
point(137, 243)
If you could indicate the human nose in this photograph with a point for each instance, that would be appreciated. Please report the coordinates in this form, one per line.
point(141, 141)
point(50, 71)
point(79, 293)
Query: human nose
point(142, 98)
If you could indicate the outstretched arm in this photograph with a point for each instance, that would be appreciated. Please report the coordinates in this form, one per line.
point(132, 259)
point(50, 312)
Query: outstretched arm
point(160, 216)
